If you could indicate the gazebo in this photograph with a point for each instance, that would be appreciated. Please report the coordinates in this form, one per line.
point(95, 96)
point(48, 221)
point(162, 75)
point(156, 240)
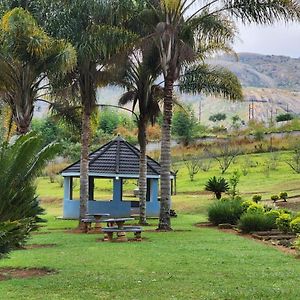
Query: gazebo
point(117, 160)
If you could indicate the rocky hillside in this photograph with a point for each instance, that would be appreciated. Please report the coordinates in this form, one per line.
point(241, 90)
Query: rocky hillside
point(264, 71)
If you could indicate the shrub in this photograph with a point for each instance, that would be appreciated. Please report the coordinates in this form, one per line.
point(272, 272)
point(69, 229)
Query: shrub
point(283, 222)
point(217, 186)
point(273, 214)
point(295, 225)
point(246, 204)
point(228, 211)
point(255, 221)
point(13, 235)
point(255, 208)
point(283, 196)
point(274, 198)
point(256, 198)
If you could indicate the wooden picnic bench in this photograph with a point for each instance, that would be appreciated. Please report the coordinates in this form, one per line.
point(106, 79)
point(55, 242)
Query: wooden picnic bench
point(121, 233)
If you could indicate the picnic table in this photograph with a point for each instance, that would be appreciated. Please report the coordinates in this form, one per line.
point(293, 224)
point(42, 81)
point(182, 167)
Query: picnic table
point(94, 218)
point(120, 230)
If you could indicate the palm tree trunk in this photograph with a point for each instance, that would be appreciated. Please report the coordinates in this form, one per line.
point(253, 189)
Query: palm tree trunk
point(143, 171)
point(165, 186)
point(84, 164)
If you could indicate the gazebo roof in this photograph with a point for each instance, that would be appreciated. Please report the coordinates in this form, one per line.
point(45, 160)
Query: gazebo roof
point(116, 158)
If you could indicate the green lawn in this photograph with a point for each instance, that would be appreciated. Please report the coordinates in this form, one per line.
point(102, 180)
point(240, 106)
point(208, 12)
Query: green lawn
point(200, 263)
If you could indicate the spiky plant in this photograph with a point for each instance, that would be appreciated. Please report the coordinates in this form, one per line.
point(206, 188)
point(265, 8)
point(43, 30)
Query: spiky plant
point(217, 186)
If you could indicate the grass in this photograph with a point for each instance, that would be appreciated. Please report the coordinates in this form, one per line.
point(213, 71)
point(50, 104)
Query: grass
point(199, 263)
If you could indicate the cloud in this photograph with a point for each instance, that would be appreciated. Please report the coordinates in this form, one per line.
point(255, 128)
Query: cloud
point(279, 39)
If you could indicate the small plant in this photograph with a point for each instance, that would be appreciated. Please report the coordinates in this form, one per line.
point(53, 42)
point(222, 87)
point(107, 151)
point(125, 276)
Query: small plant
point(234, 181)
point(217, 186)
point(274, 198)
point(256, 198)
point(283, 222)
point(273, 214)
point(228, 211)
point(295, 225)
point(283, 196)
point(246, 204)
point(255, 221)
point(255, 208)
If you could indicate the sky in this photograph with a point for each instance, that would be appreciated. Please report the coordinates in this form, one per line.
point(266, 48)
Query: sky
point(280, 39)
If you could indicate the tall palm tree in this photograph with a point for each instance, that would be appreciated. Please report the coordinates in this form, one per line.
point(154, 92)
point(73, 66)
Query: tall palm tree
point(141, 71)
point(28, 56)
point(93, 27)
point(184, 27)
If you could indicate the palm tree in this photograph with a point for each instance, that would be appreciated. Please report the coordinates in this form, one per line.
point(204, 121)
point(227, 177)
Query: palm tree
point(184, 28)
point(141, 71)
point(28, 56)
point(93, 28)
point(217, 186)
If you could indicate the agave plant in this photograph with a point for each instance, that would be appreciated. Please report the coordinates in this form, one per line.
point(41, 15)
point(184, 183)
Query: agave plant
point(217, 186)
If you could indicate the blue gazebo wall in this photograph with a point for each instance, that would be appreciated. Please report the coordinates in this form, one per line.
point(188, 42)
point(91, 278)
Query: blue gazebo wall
point(116, 207)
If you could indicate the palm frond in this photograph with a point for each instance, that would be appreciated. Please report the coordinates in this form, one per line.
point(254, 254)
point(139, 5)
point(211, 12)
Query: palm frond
point(212, 81)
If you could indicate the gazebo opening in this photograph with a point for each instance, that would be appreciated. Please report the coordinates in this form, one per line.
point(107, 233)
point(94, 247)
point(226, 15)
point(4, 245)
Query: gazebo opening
point(113, 182)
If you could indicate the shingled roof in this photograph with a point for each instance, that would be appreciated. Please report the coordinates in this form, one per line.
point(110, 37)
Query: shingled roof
point(117, 157)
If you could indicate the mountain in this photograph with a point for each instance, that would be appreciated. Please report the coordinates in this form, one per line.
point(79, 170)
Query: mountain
point(263, 71)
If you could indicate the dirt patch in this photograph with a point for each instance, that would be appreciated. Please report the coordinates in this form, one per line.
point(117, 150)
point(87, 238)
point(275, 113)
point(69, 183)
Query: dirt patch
point(39, 246)
point(165, 231)
point(130, 240)
point(292, 203)
point(12, 273)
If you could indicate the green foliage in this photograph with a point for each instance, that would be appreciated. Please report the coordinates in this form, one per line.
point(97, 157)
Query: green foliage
point(21, 162)
point(228, 211)
point(297, 244)
point(274, 198)
point(217, 117)
point(295, 225)
point(284, 117)
point(234, 181)
point(256, 198)
point(246, 204)
point(283, 222)
point(13, 234)
point(256, 221)
point(109, 121)
point(283, 196)
point(184, 125)
point(217, 186)
point(255, 208)
point(273, 214)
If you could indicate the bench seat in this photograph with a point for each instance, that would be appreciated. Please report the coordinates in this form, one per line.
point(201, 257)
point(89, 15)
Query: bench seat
point(121, 233)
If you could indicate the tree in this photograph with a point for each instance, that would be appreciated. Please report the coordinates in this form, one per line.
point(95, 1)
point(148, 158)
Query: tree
point(95, 29)
point(193, 165)
point(28, 56)
point(184, 125)
point(141, 72)
point(224, 155)
point(217, 117)
point(284, 117)
point(181, 34)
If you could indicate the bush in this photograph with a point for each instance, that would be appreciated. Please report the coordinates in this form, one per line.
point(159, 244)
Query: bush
point(228, 211)
point(255, 221)
point(283, 222)
point(283, 196)
point(255, 208)
point(13, 235)
point(246, 204)
point(256, 198)
point(295, 225)
point(274, 198)
point(297, 244)
point(273, 214)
